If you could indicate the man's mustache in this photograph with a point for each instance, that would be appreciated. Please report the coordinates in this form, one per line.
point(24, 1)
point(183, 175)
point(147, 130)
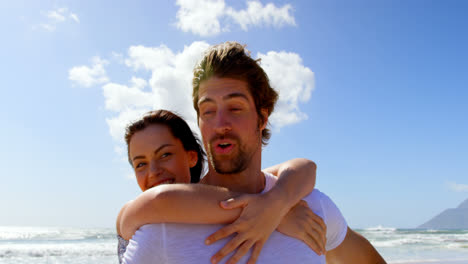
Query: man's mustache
point(229, 135)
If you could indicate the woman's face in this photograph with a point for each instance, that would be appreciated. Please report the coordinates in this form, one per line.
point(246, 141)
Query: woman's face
point(160, 158)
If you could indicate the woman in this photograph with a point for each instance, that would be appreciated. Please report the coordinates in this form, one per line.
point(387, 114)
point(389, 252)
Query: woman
point(163, 150)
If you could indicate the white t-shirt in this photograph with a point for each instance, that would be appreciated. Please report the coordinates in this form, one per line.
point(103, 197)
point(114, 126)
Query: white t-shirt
point(184, 243)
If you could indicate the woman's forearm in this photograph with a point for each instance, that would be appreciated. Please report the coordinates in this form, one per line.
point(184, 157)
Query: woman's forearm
point(179, 203)
point(296, 179)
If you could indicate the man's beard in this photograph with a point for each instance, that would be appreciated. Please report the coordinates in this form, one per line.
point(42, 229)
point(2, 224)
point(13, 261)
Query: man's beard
point(236, 164)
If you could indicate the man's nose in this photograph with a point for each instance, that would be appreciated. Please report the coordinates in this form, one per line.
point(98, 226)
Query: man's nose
point(222, 122)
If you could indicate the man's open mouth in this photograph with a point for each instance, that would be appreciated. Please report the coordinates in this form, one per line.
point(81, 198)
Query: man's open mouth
point(224, 145)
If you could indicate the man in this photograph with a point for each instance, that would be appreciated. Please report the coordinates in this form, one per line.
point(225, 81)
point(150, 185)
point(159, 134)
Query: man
point(233, 100)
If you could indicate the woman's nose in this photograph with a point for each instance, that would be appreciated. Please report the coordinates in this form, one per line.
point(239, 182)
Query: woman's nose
point(155, 169)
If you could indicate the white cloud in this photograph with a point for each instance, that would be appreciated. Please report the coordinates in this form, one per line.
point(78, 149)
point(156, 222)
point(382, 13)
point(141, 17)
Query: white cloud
point(294, 83)
point(47, 27)
point(55, 17)
point(169, 86)
point(118, 123)
point(75, 17)
point(256, 14)
point(200, 17)
point(458, 187)
point(89, 76)
point(120, 97)
point(148, 58)
point(138, 83)
point(210, 17)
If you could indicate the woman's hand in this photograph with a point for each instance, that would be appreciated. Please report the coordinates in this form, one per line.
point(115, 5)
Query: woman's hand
point(260, 216)
point(302, 223)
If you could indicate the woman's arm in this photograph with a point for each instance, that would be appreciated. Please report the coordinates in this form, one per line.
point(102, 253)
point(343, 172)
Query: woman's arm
point(176, 203)
point(198, 203)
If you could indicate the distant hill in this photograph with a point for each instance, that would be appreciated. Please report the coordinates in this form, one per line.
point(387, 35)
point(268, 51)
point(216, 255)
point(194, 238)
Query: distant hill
point(454, 218)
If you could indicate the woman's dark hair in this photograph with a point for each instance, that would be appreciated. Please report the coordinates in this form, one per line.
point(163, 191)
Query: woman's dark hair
point(179, 130)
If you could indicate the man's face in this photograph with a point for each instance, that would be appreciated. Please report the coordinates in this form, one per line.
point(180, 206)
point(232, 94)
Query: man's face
point(229, 124)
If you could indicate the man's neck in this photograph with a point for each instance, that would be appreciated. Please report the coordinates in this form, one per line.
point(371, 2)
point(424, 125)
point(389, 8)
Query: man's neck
point(251, 180)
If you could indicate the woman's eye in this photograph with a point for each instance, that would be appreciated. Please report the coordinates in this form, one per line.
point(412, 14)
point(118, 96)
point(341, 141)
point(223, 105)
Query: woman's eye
point(139, 165)
point(167, 154)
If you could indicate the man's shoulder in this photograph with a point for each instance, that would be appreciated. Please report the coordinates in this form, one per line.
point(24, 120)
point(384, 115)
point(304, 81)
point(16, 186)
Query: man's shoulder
point(270, 181)
point(321, 204)
point(324, 207)
point(317, 196)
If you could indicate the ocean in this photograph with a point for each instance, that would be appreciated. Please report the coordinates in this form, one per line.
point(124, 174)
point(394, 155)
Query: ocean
point(41, 245)
point(99, 245)
point(419, 245)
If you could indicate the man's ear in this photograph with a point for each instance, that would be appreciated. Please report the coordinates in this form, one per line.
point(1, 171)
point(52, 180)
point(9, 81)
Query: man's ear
point(192, 158)
point(264, 113)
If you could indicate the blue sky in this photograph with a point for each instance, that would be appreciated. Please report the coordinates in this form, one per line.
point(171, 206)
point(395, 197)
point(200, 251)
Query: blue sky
point(374, 92)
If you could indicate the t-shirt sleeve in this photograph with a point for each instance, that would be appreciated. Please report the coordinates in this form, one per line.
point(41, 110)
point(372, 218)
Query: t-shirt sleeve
point(336, 224)
point(146, 246)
